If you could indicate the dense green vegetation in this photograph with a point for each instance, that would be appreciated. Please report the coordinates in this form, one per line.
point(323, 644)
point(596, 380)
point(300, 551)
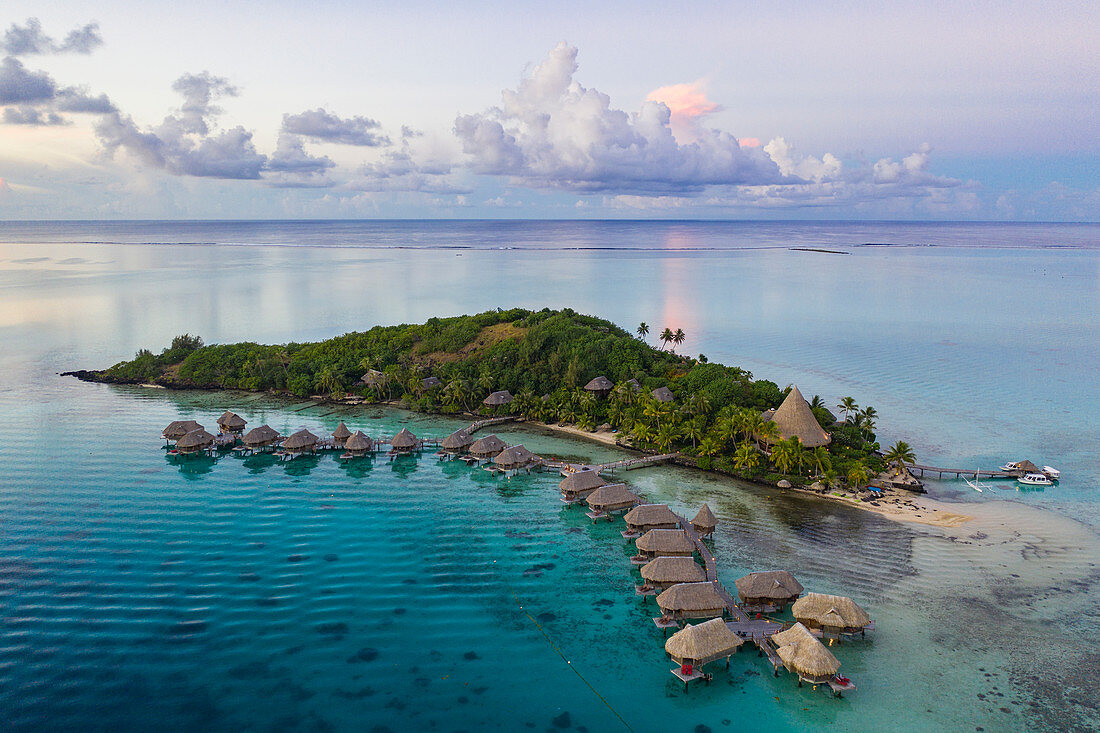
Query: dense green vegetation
point(545, 359)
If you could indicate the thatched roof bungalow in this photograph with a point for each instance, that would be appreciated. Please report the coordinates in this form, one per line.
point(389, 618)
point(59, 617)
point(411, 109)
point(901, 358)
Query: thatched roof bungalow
point(665, 543)
point(601, 386)
point(341, 434)
point(705, 521)
point(703, 643)
point(195, 441)
point(663, 394)
point(231, 422)
point(832, 615)
point(795, 420)
point(612, 498)
point(665, 572)
point(358, 443)
point(579, 485)
point(645, 517)
point(515, 458)
point(487, 447)
point(498, 399)
point(692, 600)
point(457, 442)
point(179, 428)
point(405, 442)
point(804, 655)
point(260, 437)
point(302, 441)
point(771, 588)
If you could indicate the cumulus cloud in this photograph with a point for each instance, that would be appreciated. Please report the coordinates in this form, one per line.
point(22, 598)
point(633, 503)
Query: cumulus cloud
point(319, 125)
point(551, 132)
point(29, 39)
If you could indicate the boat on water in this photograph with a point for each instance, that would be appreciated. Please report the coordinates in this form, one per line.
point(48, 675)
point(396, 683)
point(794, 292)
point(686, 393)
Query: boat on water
point(1035, 479)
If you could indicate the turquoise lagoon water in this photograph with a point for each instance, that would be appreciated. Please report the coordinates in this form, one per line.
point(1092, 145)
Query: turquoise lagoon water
point(135, 592)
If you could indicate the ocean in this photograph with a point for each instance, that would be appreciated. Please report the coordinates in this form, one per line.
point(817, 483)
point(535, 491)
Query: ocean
point(418, 595)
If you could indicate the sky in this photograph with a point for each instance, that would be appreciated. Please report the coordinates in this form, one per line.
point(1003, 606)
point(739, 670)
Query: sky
point(785, 110)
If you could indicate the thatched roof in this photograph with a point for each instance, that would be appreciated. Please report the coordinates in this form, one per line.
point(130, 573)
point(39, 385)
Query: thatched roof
point(581, 481)
point(341, 432)
point(775, 584)
point(496, 399)
point(705, 519)
point(430, 382)
point(232, 421)
point(179, 428)
point(703, 642)
point(404, 439)
point(457, 440)
point(795, 419)
point(515, 457)
point(804, 654)
point(644, 514)
point(374, 378)
point(612, 495)
point(600, 384)
point(825, 610)
point(663, 541)
point(490, 445)
point(300, 440)
point(673, 570)
point(263, 435)
point(195, 439)
point(358, 441)
point(663, 394)
point(691, 597)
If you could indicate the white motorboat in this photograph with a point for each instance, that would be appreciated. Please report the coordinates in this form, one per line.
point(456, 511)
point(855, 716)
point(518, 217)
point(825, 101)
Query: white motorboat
point(1035, 479)
point(1052, 473)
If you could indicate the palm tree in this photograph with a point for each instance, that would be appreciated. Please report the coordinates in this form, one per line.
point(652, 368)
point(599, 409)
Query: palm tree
point(643, 330)
point(746, 458)
point(667, 336)
point(899, 453)
point(848, 404)
point(679, 337)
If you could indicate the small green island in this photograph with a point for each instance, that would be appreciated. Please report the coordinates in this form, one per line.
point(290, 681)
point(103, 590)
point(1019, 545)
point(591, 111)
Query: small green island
point(565, 370)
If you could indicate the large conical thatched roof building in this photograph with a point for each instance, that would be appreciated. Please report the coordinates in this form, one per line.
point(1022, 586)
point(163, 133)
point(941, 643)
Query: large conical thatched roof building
point(457, 442)
point(303, 440)
point(260, 437)
point(665, 542)
point(769, 588)
point(515, 458)
point(804, 655)
point(179, 428)
point(195, 441)
point(645, 517)
point(795, 419)
point(580, 484)
point(663, 394)
point(358, 443)
point(612, 498)
point(662, 572)
point(702, 643)
point(404, 441)
point(831, 614)
point(692, 600)
point(231, 422)
point(498, 399)
point(705, 521)
point(487, 447)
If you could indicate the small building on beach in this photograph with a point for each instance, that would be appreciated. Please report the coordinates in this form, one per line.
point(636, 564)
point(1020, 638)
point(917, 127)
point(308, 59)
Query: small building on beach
point(405, 442)
point(457, 442)
point(578, 485)
point(771, 589)
point(645, 517)
point(179, 428)
point(692, 600)
point(611, 498)
point(300, 442)
point(195, 441)
point(795, 419)
point(831, 615)
point(601, 386)
point(802, 654)
point(705, 522)
point(341, 434)
point(703, 643)
point(665, 572)
point(485, 448)
point(498, 399)
point(663, 394)
point(231, 423)
point(664, 543)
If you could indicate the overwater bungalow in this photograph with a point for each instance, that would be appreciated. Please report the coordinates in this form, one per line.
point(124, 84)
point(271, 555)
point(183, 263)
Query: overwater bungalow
point(340, 435)
point(831, 616)
point(705, 522)
point(179, 428)
point(516, 458)
point(601, 386)
point(196, 441)
point(692, 600)
point(663, 394)
point(300, 442)
point(259, 438)
point(768, 591)
point(485, 448)
point(404, 443)
point(231, 423)
point(795, 419)
point(665, 572)
point(645, 517)
point(577, 486)
point(498, 399)
point(662, 543)
point(456, 443)
point(610, 499)
point(802, 654)
point(358, 444)
point(694, 646)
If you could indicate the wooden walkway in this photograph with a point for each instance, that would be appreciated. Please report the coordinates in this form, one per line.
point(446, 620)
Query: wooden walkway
point(960, 472)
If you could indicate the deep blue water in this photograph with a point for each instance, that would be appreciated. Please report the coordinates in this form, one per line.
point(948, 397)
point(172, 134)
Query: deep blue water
point(136, 593)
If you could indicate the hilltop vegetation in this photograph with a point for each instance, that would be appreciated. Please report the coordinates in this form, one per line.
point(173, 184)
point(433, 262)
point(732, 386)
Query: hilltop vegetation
point(544, 358)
